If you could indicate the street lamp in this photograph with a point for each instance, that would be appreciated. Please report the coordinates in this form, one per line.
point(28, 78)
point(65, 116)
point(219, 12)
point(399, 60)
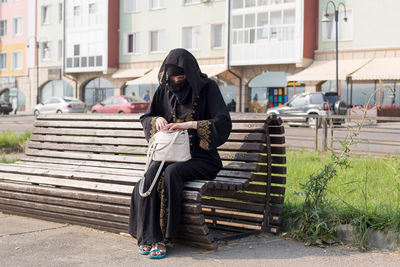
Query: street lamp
point(327, 19)
point(45, 48)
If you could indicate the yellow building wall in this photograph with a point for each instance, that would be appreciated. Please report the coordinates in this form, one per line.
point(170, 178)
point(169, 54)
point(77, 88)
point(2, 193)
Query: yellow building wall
point(9, 49)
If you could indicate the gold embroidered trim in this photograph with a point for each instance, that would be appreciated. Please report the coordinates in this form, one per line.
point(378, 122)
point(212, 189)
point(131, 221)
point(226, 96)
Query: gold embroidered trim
point(204, 132)
point(163, 205)
point(153, 129)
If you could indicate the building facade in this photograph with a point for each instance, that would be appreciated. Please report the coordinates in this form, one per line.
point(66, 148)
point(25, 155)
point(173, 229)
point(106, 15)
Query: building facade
point(150, 29)
point(369, 53)
point(48, 73)
point(270, 39)
point(91, 48)
point(15, 30)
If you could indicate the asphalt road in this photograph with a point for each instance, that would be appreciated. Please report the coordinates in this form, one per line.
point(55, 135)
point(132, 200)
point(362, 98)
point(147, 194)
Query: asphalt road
point(16, 123)
point(375, 138)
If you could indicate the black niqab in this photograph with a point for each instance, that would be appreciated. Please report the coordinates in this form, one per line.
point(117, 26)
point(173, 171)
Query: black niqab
point(182, 95)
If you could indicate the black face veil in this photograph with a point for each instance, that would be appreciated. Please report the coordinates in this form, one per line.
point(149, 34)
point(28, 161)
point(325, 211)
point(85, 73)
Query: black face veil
point(190, 89)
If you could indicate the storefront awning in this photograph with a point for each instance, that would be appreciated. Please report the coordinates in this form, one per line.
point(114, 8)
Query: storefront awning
point(149, 78)
point(152, 76)
point(325, 70)
point(269, 79)
point(379, 69)
point(213, 70)
point(130, 73)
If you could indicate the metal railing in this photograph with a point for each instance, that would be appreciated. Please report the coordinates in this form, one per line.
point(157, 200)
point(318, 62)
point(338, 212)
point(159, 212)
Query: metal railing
point(379, 136)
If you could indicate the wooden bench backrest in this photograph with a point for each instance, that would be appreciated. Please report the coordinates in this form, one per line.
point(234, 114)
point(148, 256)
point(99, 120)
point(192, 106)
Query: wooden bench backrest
point(110, 143)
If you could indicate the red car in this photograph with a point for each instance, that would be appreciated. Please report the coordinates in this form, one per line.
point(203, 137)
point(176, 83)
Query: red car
point(121, 104)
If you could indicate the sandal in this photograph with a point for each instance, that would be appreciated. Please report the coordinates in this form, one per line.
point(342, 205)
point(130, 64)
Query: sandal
point(163, 253)
point(144, 249)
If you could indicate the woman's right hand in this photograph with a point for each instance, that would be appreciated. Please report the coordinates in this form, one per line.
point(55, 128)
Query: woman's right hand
point(160, 123)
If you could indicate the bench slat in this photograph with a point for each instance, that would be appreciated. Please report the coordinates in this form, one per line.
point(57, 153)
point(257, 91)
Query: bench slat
point(90, 205)
point(89, 124)
point(74, 175)
point(72, 161)
point(90, 140)
point(67, 193)
point(85, 156)
point(89, 132)
point(89, 148)
point(58, 166)
point(112, 217)
point(68, 183)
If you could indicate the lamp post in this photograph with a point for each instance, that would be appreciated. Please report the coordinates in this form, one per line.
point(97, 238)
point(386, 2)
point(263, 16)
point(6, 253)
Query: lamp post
point(327, 19)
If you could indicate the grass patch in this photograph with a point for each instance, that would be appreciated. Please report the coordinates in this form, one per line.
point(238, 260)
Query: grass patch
point(13, 140)
point(367, 194)
point(4, 159)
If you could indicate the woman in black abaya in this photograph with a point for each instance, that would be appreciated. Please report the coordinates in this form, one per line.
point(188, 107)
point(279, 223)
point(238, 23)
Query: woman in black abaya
point(185, 99)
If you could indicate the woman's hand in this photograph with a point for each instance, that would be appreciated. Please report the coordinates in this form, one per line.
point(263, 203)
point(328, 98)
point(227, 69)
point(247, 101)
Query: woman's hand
point(160, 123)
point(180, 126)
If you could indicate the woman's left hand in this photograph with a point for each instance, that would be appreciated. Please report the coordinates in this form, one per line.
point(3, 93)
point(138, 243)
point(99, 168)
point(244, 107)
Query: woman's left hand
point(180, 126)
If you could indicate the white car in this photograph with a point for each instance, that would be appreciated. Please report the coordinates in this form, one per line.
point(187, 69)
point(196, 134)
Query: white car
point(58, 105)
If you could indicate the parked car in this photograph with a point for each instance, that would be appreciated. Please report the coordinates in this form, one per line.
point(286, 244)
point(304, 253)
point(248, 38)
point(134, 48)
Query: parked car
point(121, 104)
point(60, 105)
point(305, 104)
point(5, 107)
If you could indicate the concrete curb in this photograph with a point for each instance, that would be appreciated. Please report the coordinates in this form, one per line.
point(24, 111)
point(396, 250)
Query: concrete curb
point(347, 234)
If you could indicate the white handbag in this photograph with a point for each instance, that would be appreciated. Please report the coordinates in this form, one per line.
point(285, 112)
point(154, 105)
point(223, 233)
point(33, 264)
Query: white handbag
point(165, 147)
point(170, 146)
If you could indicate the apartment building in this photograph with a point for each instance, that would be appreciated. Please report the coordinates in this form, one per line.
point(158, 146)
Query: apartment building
point(91, 44)
point(150, 29)
point(15, 29)
point(269, 40)
point(49, 36)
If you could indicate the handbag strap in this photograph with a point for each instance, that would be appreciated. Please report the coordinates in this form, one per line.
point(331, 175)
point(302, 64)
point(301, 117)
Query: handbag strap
point(150, 152)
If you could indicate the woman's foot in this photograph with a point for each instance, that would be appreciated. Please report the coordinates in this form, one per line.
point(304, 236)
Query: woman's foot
point(158, 251)
point(144, 249)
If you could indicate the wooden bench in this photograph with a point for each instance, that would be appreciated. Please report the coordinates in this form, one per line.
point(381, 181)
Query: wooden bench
point(81, 169)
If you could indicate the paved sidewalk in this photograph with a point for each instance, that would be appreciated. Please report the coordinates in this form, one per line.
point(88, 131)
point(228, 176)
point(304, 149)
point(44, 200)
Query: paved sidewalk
point(31, 242)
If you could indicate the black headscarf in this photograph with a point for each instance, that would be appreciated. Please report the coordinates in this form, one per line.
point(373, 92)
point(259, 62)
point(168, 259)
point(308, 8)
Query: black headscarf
point(182, 95)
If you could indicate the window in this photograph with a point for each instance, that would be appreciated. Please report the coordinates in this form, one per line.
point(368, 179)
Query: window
point(250, 3)
point(3, 61)
point(157, 41)
point(132, 43)
point(237, 4)
point(17, 60)
point(217, 36)
point(77, 11)
point(45, 50)
point(191, 37)
point(131, 6)
point(76, 50)
point(316, 98)
point(17, 26)
point(60, 49)
point(3, 28)
point(345, 28)
point(154, 4)
point(108, 101)
point(116, 101)
point(191, 1)
point(92, 8)
point(60, 12)
point(99, 61)
point(298, 101)
point(46, 15)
